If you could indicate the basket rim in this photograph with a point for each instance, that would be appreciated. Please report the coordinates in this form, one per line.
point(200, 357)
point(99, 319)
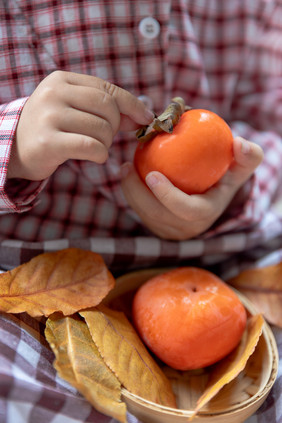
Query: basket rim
point(258, 396)
point(239, 407)
point(266, 332)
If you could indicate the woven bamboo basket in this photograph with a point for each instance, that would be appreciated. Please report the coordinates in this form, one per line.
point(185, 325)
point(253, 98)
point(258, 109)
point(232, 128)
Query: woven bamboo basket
point(234, 403)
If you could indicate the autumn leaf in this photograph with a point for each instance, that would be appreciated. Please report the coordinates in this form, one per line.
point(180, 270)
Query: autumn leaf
point(165, 122)
point(67, 281)
point(228, 368)
point(124, 353)
point(78, 362)
point(263, 287)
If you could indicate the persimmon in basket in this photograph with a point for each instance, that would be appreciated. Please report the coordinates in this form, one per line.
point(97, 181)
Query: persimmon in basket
point(188, 317)
point(194, 156)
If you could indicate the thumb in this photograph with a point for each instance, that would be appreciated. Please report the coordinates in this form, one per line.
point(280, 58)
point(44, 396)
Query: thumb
point(247, 157)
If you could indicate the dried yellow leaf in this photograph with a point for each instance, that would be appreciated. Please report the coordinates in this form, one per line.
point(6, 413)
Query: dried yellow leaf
point(228, 369)
point(124, 352)
point(67, 281)
point(263, 287)
point(78, 362)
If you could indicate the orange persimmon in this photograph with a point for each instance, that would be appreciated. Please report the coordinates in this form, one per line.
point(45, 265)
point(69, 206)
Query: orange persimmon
point(194, 156)
point(188, 317)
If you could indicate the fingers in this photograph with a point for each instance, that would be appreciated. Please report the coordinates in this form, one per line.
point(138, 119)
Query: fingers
point(208, 206)
point(172, 214)
point(176, 201)
point(153, 214)
point(80, 147)
point(92, 101)
point(82, 123)
point(92, 108)
point(99, 104)
point(127, 124)
point(127, 103)
point(164, 214)
point(144, 203)
point(74, 116)
point(247, 157)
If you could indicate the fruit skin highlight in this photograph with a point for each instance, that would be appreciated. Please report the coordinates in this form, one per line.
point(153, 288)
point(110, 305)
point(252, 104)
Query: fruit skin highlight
point(188, 317)
point(194, 156)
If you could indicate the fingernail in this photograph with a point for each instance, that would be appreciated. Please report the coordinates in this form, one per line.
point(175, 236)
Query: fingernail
point(125, 169)
point(149, 115)
point(245, 146)
point(152, 180)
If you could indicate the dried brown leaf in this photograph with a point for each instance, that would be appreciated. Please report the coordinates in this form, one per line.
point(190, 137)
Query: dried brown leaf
point(124, 352)
point(263, 287)
point(67, 281)
point(228, 369)
point(165, 122)
point(78, 362)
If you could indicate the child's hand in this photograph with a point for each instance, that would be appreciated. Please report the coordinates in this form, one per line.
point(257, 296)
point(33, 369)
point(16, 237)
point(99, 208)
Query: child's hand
point(172, 214)
point(71, 116)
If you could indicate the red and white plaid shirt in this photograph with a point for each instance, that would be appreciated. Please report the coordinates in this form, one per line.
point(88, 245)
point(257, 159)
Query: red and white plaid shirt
point(225, 56)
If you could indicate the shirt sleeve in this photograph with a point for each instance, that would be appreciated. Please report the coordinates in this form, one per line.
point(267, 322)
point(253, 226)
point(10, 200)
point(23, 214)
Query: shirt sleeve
point(16, 195)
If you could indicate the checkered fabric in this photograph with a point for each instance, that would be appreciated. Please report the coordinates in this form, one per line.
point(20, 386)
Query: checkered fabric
point(32, 392)
point(223, 56)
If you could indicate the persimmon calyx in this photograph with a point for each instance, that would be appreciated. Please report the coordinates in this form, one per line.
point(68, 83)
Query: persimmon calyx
point(165, 122)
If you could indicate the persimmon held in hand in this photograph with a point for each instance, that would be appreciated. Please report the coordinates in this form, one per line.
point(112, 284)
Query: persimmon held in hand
point(188, 317)
point(194, 156)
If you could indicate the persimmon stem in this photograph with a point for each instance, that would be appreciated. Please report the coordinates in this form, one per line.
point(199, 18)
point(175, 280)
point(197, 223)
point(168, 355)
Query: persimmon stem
point(165, 122)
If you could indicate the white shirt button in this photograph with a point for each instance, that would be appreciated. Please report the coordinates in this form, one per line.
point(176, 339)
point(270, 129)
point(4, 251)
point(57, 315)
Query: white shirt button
point(149, 27)
point(147, 101)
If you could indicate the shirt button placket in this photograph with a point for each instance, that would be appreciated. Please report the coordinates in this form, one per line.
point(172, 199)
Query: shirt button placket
point(149, 27)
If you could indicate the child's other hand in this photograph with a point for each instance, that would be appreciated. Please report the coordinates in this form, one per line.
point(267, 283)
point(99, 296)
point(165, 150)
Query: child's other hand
point(71, 116)
point(172, 214)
